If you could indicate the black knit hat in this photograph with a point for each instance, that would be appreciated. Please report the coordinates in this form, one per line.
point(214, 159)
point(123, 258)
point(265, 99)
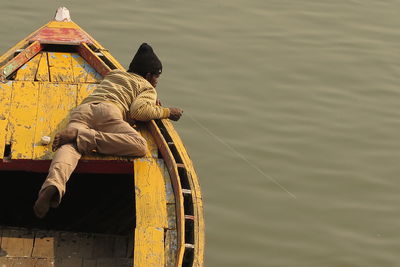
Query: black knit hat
point(145, 61)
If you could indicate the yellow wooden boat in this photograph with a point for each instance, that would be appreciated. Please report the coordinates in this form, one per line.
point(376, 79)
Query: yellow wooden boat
point(144, 212)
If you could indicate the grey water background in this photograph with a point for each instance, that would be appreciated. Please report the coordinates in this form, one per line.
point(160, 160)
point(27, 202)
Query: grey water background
point(291, 117)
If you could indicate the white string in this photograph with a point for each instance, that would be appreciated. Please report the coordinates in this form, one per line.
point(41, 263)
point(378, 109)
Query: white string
point(273, 180)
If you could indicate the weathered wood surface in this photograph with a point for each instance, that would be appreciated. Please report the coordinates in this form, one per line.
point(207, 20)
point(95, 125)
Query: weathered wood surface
point(171, 248)
point(62, 24)
point(40, 108)
point(5, 102)
point(17, 243)
point(68, 262)
point(22, 119)
point(43, 245)
point(151, 205)
point(169, 190)
point(20, 60)
point(149, 247)
point(152, 149)
point(60, 67)
point(89, 263)
point(55, 102)
point(52, 248)
point(171, 213)
point(44, 263)
point(53, 35)
point(103, 246)
point(28, 71)
point(93, 60)
point(84, 89)
point(120, 247)
point(67, 245)
point(83, 72)
point(25, 262)
point(131, 245)
point(86, 243)
point(42, 73)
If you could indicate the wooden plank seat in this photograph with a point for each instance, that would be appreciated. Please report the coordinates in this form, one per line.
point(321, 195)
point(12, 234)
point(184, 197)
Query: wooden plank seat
point(34, 248)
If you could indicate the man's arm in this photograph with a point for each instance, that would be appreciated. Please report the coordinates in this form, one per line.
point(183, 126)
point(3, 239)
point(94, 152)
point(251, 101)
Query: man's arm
point(144, 108)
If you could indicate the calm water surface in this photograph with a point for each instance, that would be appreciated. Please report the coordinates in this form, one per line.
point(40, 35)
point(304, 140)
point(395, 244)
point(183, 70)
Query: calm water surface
point(292, 117)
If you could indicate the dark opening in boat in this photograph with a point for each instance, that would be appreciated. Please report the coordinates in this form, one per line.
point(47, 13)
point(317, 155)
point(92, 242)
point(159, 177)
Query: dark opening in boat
point(94, 203)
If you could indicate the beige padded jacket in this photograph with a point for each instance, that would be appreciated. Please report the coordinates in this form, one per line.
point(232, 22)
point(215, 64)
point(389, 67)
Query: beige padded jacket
point(133, 95)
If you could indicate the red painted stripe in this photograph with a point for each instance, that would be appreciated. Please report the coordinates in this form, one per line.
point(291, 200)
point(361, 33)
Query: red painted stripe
point(67, 36)
point(84, 166)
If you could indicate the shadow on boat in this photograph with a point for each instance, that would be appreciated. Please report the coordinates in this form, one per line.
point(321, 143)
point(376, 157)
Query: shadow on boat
point(91, 227)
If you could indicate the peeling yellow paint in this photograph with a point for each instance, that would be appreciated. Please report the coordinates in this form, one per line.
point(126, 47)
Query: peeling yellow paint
point(42, 73)
point(84, 90)
point(28, 71)
point(78, 67)
point(62, 24)
point(5, 100)
point(22, 121)
point(152, 149)
point(149, 247)
point(55, 102)
point(151, 204)
point(83, 72)
point(60, 67)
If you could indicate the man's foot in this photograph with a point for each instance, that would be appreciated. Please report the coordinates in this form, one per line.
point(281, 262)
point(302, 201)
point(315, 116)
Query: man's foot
point(64, 137)
point(42, 204)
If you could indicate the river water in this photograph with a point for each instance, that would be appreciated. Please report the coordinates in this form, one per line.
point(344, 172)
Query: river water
point(292, 117)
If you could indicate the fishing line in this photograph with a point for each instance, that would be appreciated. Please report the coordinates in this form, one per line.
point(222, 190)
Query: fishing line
point(240, 155)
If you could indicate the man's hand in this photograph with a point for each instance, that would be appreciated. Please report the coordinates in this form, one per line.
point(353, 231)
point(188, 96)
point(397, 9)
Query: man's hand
point(175, 113)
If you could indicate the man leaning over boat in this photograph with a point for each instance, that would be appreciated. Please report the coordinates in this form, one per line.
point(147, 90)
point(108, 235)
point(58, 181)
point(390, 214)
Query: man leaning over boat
point(101, 123)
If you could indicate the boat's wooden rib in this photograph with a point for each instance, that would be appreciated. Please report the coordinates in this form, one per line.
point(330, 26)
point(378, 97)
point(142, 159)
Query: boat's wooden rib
point(20, 60)
point(93, 59)
point(40, 86)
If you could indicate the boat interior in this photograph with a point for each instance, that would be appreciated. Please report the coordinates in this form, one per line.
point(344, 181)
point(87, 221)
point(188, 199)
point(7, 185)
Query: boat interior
point(93, 226)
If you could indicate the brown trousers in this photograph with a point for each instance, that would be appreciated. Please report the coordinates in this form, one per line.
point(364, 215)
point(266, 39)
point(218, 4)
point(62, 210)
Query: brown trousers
point(101, 129)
